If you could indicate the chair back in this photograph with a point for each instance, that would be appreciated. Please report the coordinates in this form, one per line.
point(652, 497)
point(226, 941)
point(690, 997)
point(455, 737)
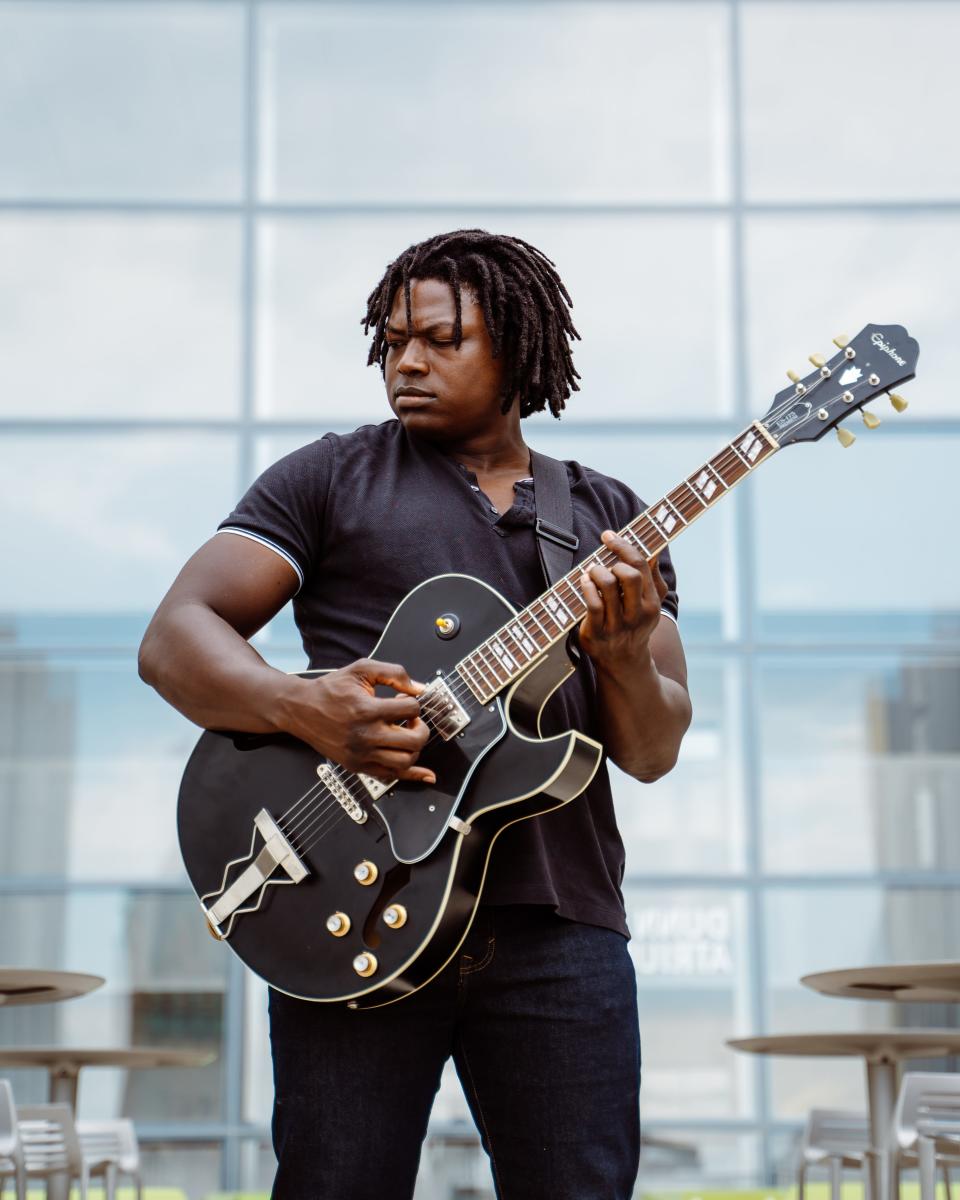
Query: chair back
point(836, 1131)
point(48, 1139)
point(9, 1141)
point(115, 1140)
point(928, 1103)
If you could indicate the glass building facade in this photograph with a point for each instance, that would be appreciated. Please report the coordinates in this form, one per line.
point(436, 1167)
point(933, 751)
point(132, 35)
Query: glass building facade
point(195, 200)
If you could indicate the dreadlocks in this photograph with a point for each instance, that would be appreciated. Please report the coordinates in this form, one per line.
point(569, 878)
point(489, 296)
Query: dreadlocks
point(525, 307)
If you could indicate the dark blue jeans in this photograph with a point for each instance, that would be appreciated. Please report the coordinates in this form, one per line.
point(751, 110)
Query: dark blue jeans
point(540, 1016)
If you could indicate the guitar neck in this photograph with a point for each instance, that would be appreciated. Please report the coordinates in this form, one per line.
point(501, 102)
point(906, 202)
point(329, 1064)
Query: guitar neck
point(504, 656)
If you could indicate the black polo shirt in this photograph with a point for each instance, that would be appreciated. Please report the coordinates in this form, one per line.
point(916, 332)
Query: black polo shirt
point(365, 517)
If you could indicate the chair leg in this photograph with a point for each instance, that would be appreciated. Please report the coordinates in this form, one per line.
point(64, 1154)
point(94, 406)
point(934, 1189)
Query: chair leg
point(802, 1181)
point(927, 1162)
point(946, 1181)
point(836, 1178)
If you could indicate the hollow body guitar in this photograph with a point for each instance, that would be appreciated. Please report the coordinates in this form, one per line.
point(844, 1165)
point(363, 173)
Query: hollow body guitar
point(337, 887)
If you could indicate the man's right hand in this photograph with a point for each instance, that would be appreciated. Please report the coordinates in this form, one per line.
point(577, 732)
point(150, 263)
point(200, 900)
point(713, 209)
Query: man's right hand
point(340, 715)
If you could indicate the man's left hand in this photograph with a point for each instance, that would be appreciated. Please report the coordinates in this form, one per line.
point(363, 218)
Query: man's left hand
point(623, 606)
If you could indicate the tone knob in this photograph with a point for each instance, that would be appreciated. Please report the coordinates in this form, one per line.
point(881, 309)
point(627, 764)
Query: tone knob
point(365, 872)
point(338, 924)
point(365, 964)
point(395, 916)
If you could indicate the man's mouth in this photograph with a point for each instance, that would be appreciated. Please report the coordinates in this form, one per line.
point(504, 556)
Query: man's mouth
point(412, 392)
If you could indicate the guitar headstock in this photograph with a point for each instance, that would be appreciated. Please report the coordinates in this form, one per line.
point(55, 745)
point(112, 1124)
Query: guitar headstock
point(879, 358)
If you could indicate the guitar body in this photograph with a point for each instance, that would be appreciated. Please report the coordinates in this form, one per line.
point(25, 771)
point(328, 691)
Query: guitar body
point(426, 846)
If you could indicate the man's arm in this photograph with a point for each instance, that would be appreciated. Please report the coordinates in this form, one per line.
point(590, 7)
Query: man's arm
point(196, 654)
point(641, 670)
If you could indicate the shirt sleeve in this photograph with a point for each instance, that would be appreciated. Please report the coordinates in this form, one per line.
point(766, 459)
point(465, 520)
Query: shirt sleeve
point(284, 508)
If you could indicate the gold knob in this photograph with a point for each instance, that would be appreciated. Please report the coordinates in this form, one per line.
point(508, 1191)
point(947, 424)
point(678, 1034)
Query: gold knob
point(793, 376)
point(365, 872)
point(338, 924)
point(818, 360)
point(365, 964)
point(845, 437)
point(897, 401)
point(395, 916)
point(871, 420)
point(841, 340)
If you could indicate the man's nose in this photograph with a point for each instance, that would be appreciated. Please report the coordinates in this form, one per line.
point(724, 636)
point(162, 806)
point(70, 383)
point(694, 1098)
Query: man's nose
point(412, 360)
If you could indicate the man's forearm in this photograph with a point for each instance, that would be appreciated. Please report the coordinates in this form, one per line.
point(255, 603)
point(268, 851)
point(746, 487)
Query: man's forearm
point(207, 671)
point(644, 716)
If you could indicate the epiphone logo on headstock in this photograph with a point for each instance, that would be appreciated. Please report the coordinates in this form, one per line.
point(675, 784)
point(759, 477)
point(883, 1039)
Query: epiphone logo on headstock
point(877, 340)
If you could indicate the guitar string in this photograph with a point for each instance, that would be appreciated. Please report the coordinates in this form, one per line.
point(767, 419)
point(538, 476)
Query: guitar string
point(461, 689)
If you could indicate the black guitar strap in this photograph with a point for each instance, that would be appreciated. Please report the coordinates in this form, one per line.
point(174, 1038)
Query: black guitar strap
point(556, 540)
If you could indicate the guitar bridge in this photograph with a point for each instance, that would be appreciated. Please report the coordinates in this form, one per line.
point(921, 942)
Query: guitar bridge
point(276, 852)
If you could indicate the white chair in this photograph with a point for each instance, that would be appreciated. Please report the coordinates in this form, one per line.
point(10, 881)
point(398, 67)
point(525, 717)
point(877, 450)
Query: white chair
point(115, 1139)
point(835, 1139)
point(11, 1156)
point(926, 1129)
point(51, 1148)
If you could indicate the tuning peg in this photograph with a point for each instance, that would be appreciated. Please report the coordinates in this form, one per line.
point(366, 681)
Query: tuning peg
point(871, 420)
point(817, 359)
point(841, 340)
point(897, 401)
point(845, 437)
point(793, 376)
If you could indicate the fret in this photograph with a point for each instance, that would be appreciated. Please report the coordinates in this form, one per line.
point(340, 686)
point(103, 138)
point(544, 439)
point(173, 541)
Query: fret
point(523, 643)
point(670, 503)
point(641, 544)
point(751, 446)
point(693, 492)
point(553, 618)
point(742, 458)
point(719, 478)
point(575, 596)
point(553, 602)
point(478, 669)
point(502, 655)
point(461, 670)
point(538, 623)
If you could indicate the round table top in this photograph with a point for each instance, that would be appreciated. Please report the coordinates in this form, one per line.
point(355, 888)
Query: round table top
point(879, 1045)
point(933, 982)
point(74, 1057)
point(23, 985)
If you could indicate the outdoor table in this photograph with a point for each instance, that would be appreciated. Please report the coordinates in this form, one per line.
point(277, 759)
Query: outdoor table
point(929, 982)
point(23, 985)
point(881, 1050)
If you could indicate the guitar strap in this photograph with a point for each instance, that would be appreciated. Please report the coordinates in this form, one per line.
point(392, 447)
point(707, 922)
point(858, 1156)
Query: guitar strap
point(556, 541)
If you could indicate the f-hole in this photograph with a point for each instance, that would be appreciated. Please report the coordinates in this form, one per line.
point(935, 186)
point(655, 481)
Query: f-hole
point(396, 878)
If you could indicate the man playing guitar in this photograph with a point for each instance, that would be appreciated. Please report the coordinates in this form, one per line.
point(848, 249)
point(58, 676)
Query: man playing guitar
point(538, 1009)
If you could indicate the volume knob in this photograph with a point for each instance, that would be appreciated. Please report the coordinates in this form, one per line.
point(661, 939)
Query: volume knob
point(395, 916)
point(338, 924)
point(365, 964)
point(365, 872)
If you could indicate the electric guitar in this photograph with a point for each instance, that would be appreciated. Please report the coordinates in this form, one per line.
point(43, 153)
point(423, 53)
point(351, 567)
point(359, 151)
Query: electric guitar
point(338, 887)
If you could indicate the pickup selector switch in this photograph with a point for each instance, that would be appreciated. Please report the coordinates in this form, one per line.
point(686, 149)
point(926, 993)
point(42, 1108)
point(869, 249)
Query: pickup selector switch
point(365, 872)
point(395, 916)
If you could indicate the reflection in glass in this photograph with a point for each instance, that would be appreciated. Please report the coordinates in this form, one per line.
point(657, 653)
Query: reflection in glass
point(691, 819)
point(105, 522)
point(165, 985)
point(845, 272)
point(108, 101)
point(819, 929)
point(645, 351)
point(120, 316)
point(517, 92)
point(860, 765)
point(693, 982)
point(857, 138)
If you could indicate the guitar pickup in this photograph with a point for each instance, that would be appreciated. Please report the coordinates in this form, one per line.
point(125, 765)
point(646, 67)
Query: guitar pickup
point(442, 710)
point(275, 852)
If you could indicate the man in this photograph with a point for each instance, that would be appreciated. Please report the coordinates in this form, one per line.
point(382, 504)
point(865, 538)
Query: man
point(538, 1010)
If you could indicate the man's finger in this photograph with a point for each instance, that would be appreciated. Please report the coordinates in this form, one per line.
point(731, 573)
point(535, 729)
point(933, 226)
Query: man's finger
point(392, 674)
point(394, 709)
point(412, 737)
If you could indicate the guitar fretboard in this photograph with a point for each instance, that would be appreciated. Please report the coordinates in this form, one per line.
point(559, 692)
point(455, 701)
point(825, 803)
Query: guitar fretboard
point(505, 655)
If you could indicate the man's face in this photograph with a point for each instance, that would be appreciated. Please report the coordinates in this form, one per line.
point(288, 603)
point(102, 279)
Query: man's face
point(436, 389)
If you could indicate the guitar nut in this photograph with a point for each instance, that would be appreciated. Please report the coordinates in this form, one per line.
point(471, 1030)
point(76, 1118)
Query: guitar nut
point(365, 872)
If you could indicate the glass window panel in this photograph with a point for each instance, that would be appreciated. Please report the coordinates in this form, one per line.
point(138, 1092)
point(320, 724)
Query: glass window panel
point(691, 821)
point(871, 121)
point(649, 293)
point(123, 101)
point(860, 764)
point(120, 316)
point(689, 1160)
point(166, 980)
point(690, 952)
point(811, 276)
point(90, 766)
point(820, 929)
point(491, 112)
point(192, 1168)
point(103, 523)
point(852, 549)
